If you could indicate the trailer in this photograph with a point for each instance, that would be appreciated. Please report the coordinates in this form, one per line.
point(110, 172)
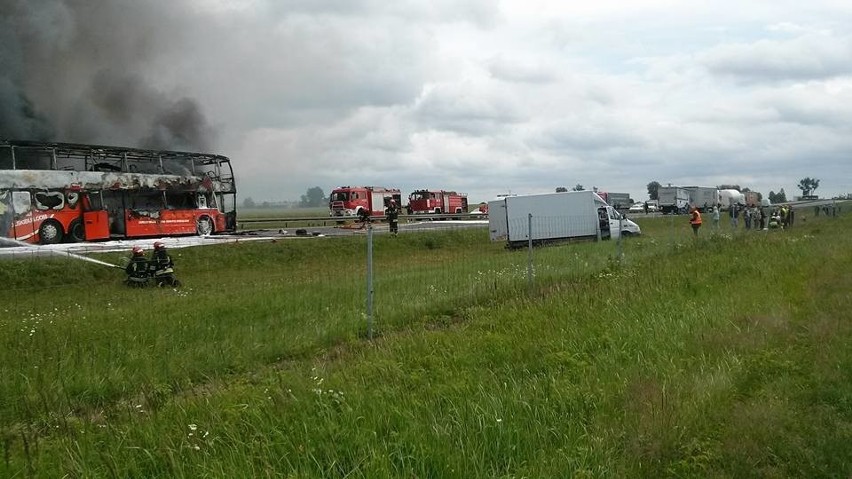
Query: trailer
point(731, 197)
point(752, 198)
point(616, 200)
point(555, 217)
point(703, 197)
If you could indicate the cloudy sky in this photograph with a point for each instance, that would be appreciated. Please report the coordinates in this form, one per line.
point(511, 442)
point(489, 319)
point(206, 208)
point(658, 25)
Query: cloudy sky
point(484, 97)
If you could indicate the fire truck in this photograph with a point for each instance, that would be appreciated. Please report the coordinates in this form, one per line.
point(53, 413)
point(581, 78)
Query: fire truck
point(436, 202)
point(351, 200)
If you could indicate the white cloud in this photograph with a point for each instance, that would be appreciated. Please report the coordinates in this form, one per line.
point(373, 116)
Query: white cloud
point(484, 96)
point(801, 58)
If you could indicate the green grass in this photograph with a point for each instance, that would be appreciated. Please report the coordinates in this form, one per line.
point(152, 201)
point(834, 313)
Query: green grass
point(721, 356)
point(270, 218)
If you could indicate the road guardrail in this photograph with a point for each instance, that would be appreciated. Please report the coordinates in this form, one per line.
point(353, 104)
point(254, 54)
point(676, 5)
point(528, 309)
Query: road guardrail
point(291, 221)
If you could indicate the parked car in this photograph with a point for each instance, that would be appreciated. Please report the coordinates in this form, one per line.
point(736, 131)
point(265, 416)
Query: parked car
point(640, 208)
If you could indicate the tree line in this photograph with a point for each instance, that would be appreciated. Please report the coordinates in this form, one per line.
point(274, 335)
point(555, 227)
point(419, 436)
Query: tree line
point(312, 198)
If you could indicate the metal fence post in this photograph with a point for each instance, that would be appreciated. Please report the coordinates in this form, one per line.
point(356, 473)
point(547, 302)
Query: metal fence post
point(619, 250)
point(671, 229)
point(529, 251)
point(369, 280)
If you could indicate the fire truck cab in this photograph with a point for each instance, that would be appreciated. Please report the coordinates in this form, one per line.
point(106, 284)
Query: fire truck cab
point(436, 202)
point(350, 200)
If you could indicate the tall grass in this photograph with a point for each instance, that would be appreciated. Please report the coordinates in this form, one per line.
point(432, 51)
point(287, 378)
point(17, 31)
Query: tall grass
point(722, 355)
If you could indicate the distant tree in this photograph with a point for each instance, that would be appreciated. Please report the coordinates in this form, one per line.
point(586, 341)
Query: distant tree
point(249, 203)
point(561, 189)
point(808, 185)
point(654, 190)
point(779, 197)
point(578, 187)
point(313, 197)
point(729, 187)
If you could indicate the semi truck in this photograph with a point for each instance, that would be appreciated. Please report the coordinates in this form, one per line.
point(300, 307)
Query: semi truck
point(752, 198)
point(555, 217)
point(353, 200)
point(703, 197)
point(673, 199)
point(731, 197)
point(436, 202)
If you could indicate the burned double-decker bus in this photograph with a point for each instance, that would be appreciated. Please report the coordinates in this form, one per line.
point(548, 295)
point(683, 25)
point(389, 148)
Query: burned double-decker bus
point(53, 192)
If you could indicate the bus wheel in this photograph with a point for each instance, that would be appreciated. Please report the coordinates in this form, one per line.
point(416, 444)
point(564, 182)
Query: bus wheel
point(76, 233)
point(204, 226)
point(50, 232)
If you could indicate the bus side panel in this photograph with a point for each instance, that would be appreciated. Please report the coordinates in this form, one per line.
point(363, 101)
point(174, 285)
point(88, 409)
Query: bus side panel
point(23, 228)
point(96, 225)
point(178, 222)
point(140, 225)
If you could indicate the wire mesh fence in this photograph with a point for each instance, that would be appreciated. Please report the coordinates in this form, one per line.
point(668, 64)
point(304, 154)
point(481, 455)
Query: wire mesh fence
point(317, 286)
point(72, 334)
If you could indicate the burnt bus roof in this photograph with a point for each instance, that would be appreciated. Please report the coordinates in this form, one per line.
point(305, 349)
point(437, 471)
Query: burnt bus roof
point(81, 148)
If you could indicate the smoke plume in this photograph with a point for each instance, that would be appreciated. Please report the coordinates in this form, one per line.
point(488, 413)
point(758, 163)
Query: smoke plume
point(92, 72)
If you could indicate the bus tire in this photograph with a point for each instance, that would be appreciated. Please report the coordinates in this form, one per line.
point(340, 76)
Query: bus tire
point(50, 232)
point(76, 232)
point(204, 226)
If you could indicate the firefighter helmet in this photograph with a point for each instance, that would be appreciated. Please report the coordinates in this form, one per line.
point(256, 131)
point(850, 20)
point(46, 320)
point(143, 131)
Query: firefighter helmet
point(159, 245)
point(137, 250)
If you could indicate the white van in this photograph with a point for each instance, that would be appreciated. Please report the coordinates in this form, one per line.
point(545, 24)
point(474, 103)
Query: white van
point(555, 216)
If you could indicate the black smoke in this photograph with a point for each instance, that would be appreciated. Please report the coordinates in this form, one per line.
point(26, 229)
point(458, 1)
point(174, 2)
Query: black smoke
point(89, 72)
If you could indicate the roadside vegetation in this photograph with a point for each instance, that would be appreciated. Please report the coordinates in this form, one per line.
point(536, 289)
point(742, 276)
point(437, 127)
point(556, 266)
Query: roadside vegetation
point(721, 356)
point(270, 218)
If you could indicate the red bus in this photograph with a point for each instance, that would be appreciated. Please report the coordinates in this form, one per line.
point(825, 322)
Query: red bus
point(53, 192)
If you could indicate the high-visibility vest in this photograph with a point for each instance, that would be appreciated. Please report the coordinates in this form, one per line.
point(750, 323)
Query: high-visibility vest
point(696, 218)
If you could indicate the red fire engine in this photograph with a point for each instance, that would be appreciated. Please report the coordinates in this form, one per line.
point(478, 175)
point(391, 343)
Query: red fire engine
point(350, 200)
point(436, 202)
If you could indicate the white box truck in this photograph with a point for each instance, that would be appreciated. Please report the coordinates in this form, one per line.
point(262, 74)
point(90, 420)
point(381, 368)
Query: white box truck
point(555, 217)
point(703, 197)
point(673, 199)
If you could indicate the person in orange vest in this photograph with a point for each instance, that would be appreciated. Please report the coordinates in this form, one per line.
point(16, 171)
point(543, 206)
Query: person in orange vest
point(695, 220)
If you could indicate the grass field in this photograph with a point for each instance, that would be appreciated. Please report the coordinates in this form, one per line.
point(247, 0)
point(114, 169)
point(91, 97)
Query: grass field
point(266, 218)
point(719, 356)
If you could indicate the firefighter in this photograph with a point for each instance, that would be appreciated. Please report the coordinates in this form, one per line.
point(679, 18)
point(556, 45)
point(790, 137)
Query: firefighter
point(695, 220)
point(137, 269)
point(392, 214)
point(363, 217)
point(162, 266)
